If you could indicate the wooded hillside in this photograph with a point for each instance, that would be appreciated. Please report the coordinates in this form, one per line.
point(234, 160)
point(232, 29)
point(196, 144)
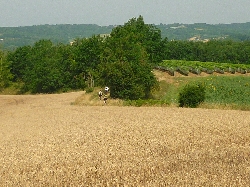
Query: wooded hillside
point(13, 37)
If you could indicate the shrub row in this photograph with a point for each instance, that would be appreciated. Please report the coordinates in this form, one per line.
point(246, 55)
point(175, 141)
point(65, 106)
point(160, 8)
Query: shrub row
point(182, 70)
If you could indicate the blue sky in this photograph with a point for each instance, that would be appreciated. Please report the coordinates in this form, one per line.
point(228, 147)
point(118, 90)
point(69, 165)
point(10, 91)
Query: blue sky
point(117, 12)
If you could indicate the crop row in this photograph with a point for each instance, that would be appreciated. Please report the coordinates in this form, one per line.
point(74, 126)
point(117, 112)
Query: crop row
point(196, 67)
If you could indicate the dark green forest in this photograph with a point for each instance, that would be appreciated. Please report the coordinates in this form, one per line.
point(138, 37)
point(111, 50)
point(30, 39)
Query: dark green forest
point(13, 37)
point(122, 60)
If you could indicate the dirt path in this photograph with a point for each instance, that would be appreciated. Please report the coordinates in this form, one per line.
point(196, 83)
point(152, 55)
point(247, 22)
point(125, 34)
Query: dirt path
point(47, 141)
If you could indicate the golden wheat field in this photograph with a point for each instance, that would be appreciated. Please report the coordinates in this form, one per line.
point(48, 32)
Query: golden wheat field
point(47, 141)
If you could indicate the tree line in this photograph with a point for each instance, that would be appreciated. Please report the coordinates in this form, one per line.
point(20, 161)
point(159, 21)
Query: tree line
point(123, 61)
point(225, 51)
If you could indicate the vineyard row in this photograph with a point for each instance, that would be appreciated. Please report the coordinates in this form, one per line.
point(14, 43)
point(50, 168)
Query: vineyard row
point(195, 67)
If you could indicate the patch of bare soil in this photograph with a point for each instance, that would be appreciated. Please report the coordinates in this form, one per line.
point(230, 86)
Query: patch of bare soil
point(45, 140)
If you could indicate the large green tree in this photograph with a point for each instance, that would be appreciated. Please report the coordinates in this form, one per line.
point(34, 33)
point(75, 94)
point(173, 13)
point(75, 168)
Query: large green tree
point(88, 56)
point(5, 74)
point(136, 31)
point(46, 68)
point(125, 62)
point(19, 61)
point(88, 52)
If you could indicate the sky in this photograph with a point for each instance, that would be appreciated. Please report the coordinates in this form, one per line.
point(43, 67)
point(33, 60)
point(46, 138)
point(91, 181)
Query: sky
point(16, 13)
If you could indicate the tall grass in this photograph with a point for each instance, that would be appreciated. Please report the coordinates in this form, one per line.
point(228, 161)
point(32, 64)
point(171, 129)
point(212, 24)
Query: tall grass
point(225, 90)
point(221, 91)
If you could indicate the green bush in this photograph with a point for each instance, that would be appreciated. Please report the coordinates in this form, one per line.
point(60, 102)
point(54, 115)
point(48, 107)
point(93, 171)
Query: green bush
point(191, 96)
point(89, 89)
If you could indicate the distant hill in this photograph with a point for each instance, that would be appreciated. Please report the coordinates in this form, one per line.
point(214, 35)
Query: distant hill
point(203, 31)
point(13, 37)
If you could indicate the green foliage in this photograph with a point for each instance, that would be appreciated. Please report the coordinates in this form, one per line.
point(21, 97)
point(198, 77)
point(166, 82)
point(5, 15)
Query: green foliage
point(220, 91)
point(19, 61)
point(135, 32)
point(46, 68)
point(125, 65)
point(127, 80)
point(122, 61)
point(191, 96)
point(5, 75)
point(225, 90)
point(183, 66)
point(87, 52)
point(14, 37)
point(213, 51)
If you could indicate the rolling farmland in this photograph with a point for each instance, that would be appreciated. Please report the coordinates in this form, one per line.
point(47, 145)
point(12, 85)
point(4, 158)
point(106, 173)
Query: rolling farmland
point(47, 141)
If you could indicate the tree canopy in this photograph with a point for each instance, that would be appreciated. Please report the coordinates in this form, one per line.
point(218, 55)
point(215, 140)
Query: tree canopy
point(122, 61)
point(125, 65)
point(5, 74)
